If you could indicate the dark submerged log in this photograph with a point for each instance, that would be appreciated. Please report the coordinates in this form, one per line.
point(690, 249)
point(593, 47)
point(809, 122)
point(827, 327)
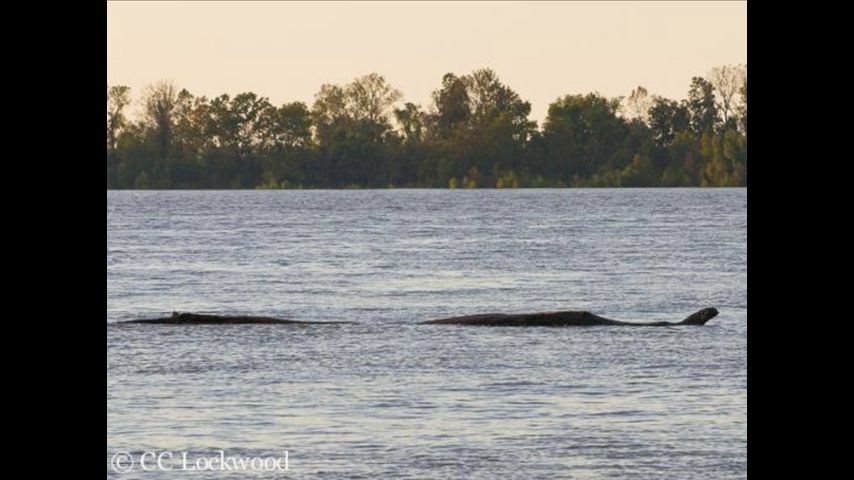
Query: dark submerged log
point(202, 319)
point(563, 319)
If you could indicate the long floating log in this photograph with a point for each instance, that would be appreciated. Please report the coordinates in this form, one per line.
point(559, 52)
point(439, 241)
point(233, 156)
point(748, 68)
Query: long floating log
point(201, 319)
point(563, 319)
point(543, 319)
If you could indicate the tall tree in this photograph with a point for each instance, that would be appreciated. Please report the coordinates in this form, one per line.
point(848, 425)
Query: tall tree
point(411, 120)
point(452, 105)
point(352, 126)
point(582, 134)
point(329, 110)
point(727, 81)
point(666, 119)
point(488, 95)
point(742, 108)
point(159, 105)
point(702, 105)
point(247, 132)
point(498, 126)
point(287, 159)
point(370, 97)
point(639, 103)
point(118, 97)
point(192, 125)
point(291, 126)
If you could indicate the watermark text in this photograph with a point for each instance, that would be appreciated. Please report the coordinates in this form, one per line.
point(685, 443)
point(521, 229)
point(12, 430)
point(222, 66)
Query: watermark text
point(124, 461)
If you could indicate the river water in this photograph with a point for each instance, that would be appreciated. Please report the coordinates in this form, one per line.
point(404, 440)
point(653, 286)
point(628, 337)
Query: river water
point(388, 398)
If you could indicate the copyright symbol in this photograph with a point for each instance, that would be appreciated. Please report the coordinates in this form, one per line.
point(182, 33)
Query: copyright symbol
point(122, 462)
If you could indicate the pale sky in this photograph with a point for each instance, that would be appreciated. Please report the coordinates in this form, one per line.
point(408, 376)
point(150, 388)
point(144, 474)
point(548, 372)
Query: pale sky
point(542, 50)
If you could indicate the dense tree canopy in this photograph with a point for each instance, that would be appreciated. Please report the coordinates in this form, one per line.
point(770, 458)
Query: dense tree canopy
point(475, 133)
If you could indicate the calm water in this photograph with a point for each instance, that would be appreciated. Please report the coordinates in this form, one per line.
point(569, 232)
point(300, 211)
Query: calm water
point(387, 398)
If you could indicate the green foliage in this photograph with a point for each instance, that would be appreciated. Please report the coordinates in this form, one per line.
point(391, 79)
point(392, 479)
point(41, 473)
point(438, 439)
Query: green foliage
point(581, 134)
point(473, 179)
point(675, 176)
point(476, 133)
point(702, 105)
point(666, 119)
point(508, 180)
point(118, 97)
point(640, 173)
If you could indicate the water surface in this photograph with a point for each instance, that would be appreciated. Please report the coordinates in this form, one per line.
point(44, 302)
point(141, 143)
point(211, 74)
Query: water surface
point(390, 398)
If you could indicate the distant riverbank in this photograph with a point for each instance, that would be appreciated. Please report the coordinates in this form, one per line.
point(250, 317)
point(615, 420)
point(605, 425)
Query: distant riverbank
point(476, 134)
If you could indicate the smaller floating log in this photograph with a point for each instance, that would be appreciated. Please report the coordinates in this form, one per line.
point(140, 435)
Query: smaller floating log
point(204, 319)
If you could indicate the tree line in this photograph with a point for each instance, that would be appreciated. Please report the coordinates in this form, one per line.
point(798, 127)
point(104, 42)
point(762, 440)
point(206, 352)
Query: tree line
point(475, 133)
